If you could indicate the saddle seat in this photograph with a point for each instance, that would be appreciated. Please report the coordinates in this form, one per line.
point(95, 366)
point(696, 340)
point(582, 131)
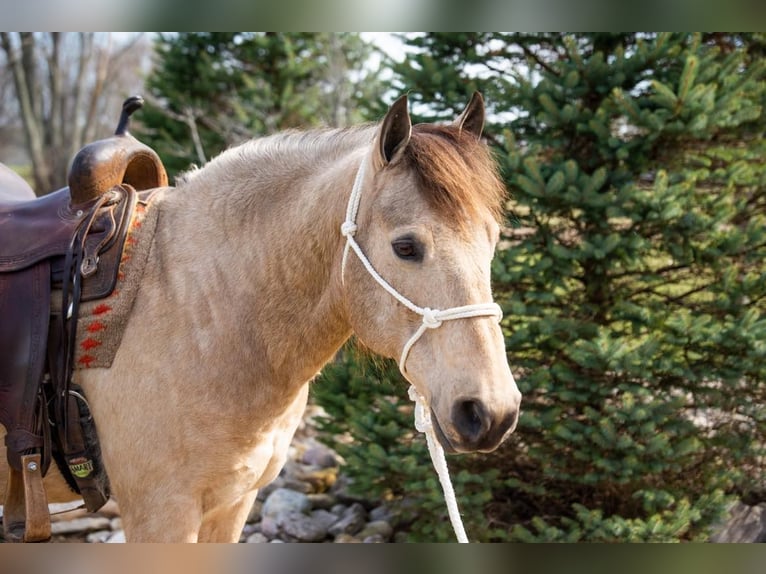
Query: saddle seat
point(39, 229)
point(56, 251)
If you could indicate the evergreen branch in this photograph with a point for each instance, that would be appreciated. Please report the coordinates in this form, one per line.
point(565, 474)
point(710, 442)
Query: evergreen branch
point(660, 271)
point(492, 140)
point(497, 69)
point(539, 61)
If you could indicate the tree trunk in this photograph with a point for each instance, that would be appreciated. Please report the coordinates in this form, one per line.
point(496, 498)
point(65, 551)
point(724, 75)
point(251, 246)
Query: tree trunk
point(21, 68)
point(60, 82)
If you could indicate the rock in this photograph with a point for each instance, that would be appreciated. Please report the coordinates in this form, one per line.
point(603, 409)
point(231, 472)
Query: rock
point(298, 485)
point(293, 469)
point(284, 501)
point(320, 456)
point(99, 536)
point(323, 500)
point(308, 528)
point(80, 525)
point(266, 491)
point(341, 490)
point(320, 479)
point(352, 521)
point(63, 510)
point(256, 538)
point(376, 529)
point(745, 524)
point(255, 511)
point(344, 538)
point(324, 516)
point(117, 538)
point(270, 527)
point(381, 513)
point(339, 509)
point(373, 539)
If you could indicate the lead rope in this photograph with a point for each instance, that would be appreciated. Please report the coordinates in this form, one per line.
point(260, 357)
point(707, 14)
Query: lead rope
point(432, 319)
point(423, 424)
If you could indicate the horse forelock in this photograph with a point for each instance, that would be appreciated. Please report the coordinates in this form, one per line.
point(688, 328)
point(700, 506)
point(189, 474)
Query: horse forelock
point(456, 173)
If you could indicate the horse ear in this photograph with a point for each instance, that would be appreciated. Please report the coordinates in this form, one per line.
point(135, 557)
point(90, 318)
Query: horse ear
point(472, 118)
point(395, 131)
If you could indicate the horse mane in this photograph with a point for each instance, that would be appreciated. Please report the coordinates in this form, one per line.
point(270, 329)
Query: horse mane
point(456, 172)
point(268, 153)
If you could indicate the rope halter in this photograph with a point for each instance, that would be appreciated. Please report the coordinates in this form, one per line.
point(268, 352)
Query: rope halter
point(431, 319)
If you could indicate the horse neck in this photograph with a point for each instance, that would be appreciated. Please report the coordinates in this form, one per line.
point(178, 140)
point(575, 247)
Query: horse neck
point(261, 244)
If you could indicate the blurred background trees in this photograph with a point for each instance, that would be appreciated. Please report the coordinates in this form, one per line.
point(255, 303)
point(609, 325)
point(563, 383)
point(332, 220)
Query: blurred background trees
point(61, 91)
point(631, 269)
point(211, 90)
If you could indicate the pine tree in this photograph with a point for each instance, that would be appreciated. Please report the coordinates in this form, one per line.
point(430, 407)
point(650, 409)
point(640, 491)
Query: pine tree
point(210, 90)
point(631, 273)
point(641, 287)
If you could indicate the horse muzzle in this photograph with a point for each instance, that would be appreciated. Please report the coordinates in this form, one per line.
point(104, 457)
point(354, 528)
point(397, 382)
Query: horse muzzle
point(474, 427)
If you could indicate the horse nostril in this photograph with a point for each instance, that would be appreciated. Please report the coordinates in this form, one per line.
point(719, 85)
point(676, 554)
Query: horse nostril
point(471, 420)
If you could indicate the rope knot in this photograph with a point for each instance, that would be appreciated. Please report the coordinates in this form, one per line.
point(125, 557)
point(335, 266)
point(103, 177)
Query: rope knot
point(348, 228)
point(422, 414)
point(430, 318)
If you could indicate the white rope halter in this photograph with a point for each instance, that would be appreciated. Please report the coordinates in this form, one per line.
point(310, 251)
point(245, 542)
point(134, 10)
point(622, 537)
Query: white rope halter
point(432, 319)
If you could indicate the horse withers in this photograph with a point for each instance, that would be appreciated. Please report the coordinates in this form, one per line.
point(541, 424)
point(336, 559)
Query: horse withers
point(249, 288)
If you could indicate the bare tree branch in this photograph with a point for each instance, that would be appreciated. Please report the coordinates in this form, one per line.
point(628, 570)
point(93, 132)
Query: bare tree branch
point(62, 83)
point(32, 130)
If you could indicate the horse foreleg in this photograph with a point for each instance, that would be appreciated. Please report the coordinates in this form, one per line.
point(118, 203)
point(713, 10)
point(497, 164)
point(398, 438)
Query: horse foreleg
point(225, 523)
point(160, 519)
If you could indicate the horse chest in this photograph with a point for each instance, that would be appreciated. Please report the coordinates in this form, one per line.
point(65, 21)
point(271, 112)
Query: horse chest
point(259, 461)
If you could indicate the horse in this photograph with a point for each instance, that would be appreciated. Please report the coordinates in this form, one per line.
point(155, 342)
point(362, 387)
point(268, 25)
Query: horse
point(260, 268)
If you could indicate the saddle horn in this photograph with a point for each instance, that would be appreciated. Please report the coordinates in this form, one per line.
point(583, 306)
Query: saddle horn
point(121, 158)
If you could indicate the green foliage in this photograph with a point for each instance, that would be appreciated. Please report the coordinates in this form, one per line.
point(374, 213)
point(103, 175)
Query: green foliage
point(631, 273)
point(211, 90)
point(673, 522)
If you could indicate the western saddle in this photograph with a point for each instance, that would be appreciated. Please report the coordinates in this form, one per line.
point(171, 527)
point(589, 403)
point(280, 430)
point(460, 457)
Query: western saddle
point(56, 251)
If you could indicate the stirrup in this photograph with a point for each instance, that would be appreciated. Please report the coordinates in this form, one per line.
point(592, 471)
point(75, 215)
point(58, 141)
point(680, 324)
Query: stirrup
point(26, 517)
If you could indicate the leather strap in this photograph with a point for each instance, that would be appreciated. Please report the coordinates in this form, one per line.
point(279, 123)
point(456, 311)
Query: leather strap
point(80, 459)
point(25, 513)
point(25, 310)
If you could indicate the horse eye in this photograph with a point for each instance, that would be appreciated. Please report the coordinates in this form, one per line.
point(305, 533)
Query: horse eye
point(407, 249)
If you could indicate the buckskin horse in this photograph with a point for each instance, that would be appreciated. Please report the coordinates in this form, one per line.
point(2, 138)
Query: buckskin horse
point(261, 264)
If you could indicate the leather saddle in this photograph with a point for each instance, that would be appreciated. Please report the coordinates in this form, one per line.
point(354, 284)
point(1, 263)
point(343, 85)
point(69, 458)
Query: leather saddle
point(56, 251)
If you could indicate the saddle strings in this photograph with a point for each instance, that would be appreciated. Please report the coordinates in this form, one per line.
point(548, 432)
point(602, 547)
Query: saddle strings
point(431, 319)
point(71, 292)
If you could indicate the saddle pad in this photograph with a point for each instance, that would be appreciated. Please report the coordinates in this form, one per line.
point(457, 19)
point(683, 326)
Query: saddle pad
point(102, 322)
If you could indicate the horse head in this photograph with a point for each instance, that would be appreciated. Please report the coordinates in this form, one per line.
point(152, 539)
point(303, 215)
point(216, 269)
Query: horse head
point(423, 223)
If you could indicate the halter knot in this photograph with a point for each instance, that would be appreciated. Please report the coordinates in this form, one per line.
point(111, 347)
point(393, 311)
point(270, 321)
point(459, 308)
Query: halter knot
point(422, 414)
point(348, 228)
point(430, 318)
